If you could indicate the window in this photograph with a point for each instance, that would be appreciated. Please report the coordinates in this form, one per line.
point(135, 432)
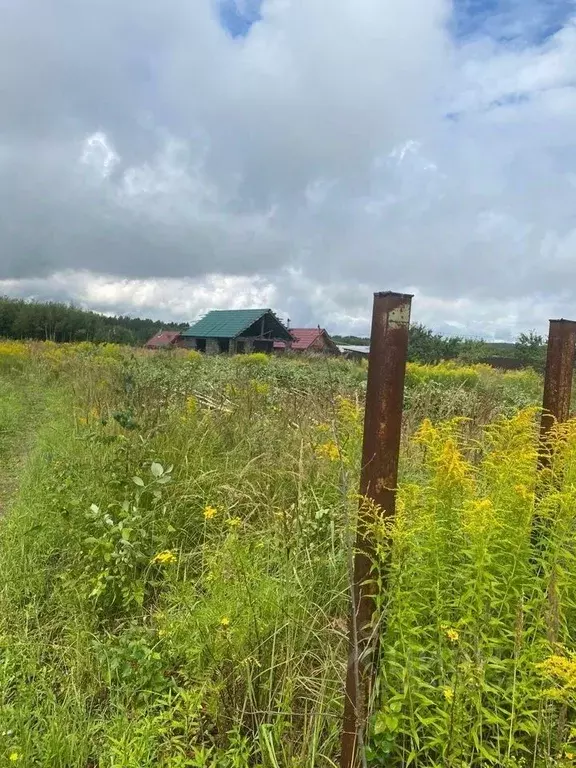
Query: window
point(201, 345)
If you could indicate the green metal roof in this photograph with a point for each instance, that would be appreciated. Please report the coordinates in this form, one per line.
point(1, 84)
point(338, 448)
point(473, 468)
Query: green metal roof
point(225, 323)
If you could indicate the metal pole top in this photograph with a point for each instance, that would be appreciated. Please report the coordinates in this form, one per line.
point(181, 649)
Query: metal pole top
point(564, 322)
point(384, 294)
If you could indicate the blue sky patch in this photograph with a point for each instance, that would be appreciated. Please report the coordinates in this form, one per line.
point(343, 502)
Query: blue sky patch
point(511, 21)
point(238, 16)
point(520, 21)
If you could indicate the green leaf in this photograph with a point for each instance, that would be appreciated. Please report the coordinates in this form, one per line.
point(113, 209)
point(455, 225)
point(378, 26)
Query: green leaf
point(157, 469)
point(391, 723)
point(138, 481)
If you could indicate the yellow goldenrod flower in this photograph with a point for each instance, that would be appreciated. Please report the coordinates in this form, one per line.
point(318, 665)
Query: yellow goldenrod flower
point(14, 757)
point(224, 621)
point(452, 635)
point(448, 694)
point(348, 411)
point(164, 558)
point(260, 387)
point(234, 522)
point(209, 512)
point(569, 755)
point(328, 451)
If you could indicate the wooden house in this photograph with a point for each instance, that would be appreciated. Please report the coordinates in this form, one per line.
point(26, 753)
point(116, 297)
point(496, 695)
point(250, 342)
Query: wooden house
point(236, 331)
point(309, 340)
point(164, 340)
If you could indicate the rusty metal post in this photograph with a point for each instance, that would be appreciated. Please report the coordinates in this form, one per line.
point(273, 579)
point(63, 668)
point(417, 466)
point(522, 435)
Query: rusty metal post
point(557, 382)
point(380, 451)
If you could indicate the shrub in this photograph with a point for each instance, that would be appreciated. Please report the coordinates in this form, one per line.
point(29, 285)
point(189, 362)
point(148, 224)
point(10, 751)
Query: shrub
point(254, 358)
point(193, 356)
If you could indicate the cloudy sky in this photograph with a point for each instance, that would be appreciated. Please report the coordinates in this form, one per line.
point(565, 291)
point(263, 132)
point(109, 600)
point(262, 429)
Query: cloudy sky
point(165, 158)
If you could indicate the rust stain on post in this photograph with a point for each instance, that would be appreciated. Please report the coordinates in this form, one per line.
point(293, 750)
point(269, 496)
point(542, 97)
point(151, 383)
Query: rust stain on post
point(557, 382)
point(381, 448)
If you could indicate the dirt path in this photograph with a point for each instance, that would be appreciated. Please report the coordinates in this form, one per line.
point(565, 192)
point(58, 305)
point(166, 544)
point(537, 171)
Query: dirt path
point(23, 406)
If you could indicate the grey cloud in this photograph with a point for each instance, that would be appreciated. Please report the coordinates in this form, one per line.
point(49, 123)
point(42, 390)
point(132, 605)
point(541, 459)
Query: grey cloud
point(318, 144)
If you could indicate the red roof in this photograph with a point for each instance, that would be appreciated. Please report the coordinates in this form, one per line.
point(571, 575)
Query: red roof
point(163, 339)
point(303, 338)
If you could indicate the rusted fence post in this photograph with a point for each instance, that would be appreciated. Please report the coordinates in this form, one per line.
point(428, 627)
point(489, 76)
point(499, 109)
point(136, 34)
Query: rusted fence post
point(381, 447)
point(555, 408)
point(557, 382)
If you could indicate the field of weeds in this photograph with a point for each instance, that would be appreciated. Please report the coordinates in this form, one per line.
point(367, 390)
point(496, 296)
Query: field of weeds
point(175, 536)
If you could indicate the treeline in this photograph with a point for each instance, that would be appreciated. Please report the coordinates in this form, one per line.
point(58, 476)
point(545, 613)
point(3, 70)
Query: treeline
point(425, 346)
point(52, 321)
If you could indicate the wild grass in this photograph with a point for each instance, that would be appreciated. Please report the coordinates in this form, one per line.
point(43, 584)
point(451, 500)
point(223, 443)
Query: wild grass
point(174, 583)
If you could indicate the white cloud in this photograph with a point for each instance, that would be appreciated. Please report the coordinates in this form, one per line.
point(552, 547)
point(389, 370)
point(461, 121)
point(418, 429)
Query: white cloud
point(145, 152)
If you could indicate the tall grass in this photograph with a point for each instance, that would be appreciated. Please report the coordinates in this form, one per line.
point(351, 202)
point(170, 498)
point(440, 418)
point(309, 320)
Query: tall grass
point(174, 582)
point(478, 657)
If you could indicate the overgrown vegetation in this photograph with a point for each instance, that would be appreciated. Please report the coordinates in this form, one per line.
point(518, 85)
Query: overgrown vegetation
point(53, 321)
point(425, 346)
point(174, 565)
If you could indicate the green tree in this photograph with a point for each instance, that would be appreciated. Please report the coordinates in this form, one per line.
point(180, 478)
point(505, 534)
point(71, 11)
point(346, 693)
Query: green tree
point(530, 349)
point(473, 350)
point(425, 346)
point(61, 322)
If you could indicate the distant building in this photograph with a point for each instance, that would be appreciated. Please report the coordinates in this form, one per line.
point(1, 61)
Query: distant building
point(236, 331)
point(354, 352)
point(164, 340)
point(313, 340)
point(504, 363)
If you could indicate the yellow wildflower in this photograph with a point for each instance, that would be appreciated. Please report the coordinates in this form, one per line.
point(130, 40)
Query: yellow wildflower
point(209, 512)
point(260, 387)
point(14, 757)
point(478, 516)
point(348, 411)
point(328, 451)
point(191, 405)
point(562, 670)
point(569, 755)
point(448, 694)
point(452, 635)
point(164, 558)
point(225, 622)
point(426, 434)
point(234, 522)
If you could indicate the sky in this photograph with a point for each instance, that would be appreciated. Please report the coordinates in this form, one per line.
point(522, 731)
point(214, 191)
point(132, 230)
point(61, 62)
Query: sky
point(164, 159)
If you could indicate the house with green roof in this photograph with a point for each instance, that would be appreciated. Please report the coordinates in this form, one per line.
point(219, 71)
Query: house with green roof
point(236, 331)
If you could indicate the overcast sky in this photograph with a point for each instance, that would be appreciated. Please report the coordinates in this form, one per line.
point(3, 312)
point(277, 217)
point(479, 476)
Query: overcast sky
point(163, 159)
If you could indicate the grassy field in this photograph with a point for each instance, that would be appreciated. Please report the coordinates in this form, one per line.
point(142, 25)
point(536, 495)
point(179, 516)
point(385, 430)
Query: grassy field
point(175, 538)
